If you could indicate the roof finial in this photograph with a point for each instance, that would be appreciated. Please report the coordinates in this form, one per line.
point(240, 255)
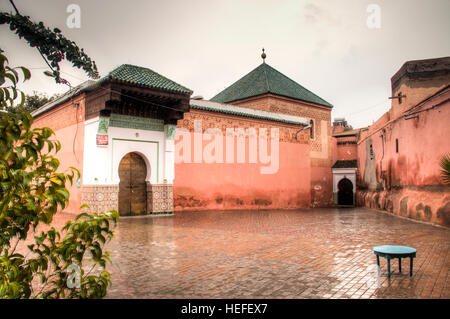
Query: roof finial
point(263, 56)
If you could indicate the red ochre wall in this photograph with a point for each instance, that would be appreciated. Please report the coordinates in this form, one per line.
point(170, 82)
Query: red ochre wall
point(407, 183)
point(63, 120)
point(346, 151)
point(203, 186)
point(321, 186)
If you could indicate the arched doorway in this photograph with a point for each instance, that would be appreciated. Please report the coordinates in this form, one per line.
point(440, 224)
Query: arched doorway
point(132, 185)
point(345, 192)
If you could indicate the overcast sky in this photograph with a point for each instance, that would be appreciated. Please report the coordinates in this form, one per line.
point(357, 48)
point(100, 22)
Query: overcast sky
point(206, 45)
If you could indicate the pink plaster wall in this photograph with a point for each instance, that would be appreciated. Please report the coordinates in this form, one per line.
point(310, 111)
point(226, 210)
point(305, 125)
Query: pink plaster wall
point(321, 187)
point(242, 186)
point(421, 143)
point(344, 151)
point(64, 120)
point(409, 180)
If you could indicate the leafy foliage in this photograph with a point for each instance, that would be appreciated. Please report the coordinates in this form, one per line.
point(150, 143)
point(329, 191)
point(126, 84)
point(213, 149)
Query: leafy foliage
point(32, 102)
point(9, 77)
point(445, 168)
point(51, 43)
point(31, 192)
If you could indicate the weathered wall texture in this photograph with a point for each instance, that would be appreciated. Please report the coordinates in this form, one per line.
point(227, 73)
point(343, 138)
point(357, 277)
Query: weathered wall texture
point(67, 121)
point(203, 185)
point(416, 80)
point(399, 163)
point(344, 148)
point(320, 152)
point(424, 204)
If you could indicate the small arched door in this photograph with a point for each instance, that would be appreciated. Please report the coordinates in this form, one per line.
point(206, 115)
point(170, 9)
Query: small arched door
point(345, 192)
point(132, 185)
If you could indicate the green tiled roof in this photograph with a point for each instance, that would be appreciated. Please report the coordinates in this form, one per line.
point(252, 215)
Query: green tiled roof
point(126, 73)
point(345, 164)
point(347, 133)
point(138, 75)
point(265, 79)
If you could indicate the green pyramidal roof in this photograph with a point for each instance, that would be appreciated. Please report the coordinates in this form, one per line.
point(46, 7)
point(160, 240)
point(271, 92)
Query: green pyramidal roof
point(142, 76)
point(265, 79)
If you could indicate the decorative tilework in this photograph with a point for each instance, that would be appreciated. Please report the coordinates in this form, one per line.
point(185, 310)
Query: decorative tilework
point(170, 131)
point(288, 133)
point(101, 198)
point(128, 121)
point(159, 198)
point(247, 112)
point(106, 197)
point(297, 108)
point(103, 124)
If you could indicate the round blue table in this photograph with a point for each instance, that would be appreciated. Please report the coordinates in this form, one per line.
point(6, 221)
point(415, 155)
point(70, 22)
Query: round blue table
point(390, 252)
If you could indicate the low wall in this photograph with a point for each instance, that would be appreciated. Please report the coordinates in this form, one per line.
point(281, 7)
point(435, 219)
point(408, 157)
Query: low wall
point(431, 205)
point(101, 198)
point(106, 197)
point(159, 198)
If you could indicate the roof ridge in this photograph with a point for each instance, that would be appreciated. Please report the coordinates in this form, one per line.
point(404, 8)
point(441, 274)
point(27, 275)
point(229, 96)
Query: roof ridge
point(236, 82)
point(265, 74)
point(145, 69)
point(298, 84)
point(151, 70)
point(266, 79)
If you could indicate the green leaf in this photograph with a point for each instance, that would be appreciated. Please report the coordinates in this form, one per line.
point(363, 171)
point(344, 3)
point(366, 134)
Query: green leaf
point(11, 77)
point(32, 190)
point(26, 73)
point(56, 180)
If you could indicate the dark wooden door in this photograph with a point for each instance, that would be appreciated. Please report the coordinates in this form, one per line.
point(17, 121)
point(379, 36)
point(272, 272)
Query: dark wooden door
point(132, 185)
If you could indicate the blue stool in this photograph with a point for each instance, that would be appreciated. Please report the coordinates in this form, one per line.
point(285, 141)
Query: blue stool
point(390, 252)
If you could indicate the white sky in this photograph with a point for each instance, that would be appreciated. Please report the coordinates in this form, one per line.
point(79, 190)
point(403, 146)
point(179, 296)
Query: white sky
point(206, 45)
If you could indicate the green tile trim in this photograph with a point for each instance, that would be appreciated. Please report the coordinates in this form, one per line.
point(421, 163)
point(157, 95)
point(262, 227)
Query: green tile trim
point(205, 108)
point(170, 131)
point(103, 124)
point(135, 122)
point(345, 164)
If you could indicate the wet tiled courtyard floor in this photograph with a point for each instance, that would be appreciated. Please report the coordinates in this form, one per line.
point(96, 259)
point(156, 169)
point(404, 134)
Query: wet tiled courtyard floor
point(318, 253)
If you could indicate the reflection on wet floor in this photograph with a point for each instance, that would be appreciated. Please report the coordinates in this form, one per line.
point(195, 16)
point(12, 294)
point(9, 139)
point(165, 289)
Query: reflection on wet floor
point(317, 253)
